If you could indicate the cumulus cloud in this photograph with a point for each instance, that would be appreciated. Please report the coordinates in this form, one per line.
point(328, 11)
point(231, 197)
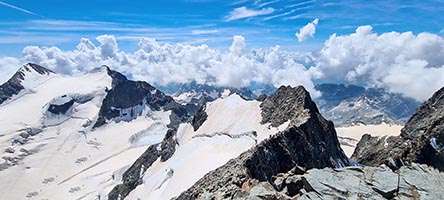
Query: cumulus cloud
point(405, 63)
point(164, 63)
point(307, 31)
point(244, 12)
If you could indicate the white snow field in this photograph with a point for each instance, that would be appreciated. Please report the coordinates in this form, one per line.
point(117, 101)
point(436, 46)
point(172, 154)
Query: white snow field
point(350, 136)
point(49, 156)
point(232, 127)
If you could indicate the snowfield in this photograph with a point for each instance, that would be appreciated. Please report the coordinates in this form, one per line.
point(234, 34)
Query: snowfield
point(232, 127)
point(57, 156)
point(350, 136)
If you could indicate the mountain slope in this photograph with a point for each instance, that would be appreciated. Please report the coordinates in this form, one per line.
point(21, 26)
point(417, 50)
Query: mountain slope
point(25, 78)
point(50, 148)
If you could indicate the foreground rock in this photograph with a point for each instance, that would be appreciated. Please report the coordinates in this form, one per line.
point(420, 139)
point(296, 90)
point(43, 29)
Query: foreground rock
point(310, 142)
point(412, 182)
point(421, 140)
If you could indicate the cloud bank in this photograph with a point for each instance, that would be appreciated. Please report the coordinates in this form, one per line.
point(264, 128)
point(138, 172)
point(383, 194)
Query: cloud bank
point(405, 63)
point(307, 31)
point(164, 63)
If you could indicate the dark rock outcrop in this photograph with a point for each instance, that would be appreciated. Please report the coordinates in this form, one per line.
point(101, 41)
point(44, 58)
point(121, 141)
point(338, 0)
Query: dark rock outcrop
point(310, 142)
point(288, 104)
point(133, 176)
point(13, 86)
point(60, 109)
point(128, 98)
point(199, 118)
point(421, 139)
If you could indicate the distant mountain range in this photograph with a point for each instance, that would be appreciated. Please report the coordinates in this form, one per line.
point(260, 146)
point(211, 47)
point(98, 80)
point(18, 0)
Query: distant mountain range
point(343, 104)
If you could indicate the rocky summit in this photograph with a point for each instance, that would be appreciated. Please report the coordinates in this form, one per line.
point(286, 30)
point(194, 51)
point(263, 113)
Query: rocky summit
point(310, 142)
point(421, 140)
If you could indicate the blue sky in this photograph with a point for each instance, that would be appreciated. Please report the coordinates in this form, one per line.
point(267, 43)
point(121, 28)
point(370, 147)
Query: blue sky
point(263, 23)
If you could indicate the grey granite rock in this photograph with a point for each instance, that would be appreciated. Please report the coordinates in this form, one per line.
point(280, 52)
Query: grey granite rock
point(421, 140)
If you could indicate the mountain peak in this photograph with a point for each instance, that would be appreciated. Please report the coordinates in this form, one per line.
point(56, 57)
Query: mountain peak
point(28, 69)
point(116, 77)
point(288, 103)
point(26, 77)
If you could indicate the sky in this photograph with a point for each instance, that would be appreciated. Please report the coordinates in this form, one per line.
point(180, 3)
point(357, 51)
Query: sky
point(389, 44)
point(213, 22)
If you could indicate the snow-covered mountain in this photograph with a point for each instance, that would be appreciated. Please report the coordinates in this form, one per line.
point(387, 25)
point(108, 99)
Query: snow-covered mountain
point(73, 137)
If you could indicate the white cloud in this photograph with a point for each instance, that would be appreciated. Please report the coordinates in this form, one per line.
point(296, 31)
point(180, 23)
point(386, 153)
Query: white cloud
point(401, 62)
point(405, 63)
point(238, 45)
point(204, 32)
point(307, 31)
point(163, 63)
point(244, 12)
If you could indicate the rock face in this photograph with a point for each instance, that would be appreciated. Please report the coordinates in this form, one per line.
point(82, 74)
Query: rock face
point(128, 100)
point(288, 104)
point(421, 139)
point(310, 141)
point(412, 182)
point(199, 118)
point(14, 85)
point(133, 176)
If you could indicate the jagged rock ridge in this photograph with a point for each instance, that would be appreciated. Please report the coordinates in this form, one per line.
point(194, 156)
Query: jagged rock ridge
point(310, 142)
